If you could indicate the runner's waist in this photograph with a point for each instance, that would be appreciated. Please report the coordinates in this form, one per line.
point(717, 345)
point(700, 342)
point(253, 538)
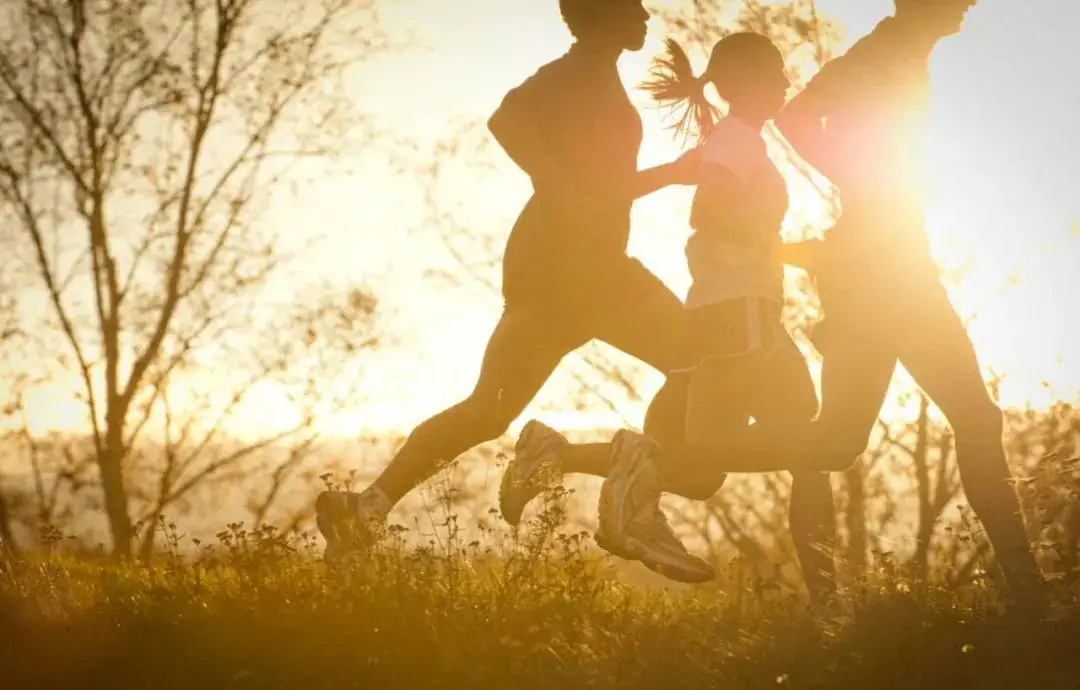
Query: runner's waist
point(880, 240)
point(722, 271)
point(732, 328)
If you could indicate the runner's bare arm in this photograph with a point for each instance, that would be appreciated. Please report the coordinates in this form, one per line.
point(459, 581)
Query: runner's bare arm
point(683, 170)
point(517, 124)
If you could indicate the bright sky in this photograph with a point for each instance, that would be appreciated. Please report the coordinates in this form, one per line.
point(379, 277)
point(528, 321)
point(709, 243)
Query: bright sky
point(1004, 166)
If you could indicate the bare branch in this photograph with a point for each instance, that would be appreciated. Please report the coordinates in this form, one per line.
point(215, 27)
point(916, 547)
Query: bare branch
point(220, 464)
point(30, 223)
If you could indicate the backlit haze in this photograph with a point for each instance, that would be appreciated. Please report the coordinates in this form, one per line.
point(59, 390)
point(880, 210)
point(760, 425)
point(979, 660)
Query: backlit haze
point(1003, 167)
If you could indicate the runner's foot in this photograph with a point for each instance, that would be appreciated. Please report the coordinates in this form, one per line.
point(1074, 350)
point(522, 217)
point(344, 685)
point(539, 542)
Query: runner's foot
point(652, 541)
point(350, 520)
point(632, 526)
point(533, 469)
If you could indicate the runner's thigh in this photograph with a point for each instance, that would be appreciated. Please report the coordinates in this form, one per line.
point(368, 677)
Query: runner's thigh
point(665, 418)
point(856, 371)
point(785, 390)
point(938, 353)
point(523, 351)
point(717, 400)
point(635, 312)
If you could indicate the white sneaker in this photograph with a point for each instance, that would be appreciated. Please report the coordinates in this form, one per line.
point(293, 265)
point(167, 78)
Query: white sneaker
point(661, 551)
point(349, 520)
point(632, 526)
point(533, 469)
point(630, 492)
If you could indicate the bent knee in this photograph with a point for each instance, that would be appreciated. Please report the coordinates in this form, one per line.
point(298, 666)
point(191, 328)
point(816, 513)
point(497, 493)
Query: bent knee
point(843, 451)
point(701, 492)
point(982, 422)
point(482, 419)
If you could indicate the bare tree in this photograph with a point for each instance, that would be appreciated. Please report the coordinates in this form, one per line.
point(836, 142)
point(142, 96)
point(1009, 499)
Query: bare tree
point(138, 142)
point(926, 447)
point(10, 403)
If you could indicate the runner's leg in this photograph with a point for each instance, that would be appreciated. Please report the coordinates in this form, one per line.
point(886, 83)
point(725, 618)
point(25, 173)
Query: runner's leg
point(665, 422)
point(939, 354)
point(639, 315)
point(856, 373)
point(786, 397)
point(857, 368)
point(524, 349)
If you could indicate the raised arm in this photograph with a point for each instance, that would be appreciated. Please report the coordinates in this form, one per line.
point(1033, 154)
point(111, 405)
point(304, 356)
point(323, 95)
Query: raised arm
point(682, 171)
point(893, 47)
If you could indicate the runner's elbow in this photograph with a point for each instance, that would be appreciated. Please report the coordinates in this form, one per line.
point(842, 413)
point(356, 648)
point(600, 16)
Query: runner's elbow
point(496, 125)
point(510, 136)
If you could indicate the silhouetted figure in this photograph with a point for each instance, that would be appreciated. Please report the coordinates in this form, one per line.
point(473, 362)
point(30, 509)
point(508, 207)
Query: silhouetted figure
point(734, 326)
point(566, 276)
point(859, 123)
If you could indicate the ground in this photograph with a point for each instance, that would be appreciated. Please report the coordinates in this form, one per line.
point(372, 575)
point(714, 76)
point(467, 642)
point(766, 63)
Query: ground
point(255, 612)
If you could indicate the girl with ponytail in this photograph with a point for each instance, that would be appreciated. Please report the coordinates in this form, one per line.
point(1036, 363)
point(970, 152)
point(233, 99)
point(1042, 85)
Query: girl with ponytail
point(742, 363)
point(740, 360)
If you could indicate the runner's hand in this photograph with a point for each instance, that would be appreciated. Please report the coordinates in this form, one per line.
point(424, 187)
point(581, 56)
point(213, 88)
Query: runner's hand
point(808, 255)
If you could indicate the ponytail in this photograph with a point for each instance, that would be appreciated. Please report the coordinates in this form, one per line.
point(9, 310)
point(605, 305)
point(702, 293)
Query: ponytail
point(673, 86)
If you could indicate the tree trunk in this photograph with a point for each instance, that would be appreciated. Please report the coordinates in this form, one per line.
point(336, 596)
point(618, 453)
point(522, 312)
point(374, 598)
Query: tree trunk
point(149, 537)
point(110, 465)
point(7, 538)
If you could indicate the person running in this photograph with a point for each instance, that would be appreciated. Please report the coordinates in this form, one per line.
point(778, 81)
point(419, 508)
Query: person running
point(566, 276)
point(734, 308)
point(859, 122)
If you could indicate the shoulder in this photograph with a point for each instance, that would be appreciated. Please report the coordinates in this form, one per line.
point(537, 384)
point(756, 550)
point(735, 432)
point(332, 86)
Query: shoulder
point(546, 87)
point(732, 143)
point(555, 74)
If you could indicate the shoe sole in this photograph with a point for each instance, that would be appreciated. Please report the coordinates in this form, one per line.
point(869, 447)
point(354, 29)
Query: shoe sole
point(634, 550)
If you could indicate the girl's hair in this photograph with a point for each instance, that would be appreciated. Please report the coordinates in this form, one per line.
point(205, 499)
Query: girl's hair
point(673, 85)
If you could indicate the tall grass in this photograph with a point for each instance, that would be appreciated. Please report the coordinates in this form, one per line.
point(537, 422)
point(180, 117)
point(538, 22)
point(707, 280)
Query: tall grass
point(257, 610)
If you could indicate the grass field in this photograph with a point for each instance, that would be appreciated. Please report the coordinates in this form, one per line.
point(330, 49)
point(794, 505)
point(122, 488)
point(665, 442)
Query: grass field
point(255, 612)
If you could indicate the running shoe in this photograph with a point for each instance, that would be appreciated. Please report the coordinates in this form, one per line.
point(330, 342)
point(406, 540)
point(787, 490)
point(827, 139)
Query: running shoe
point(533, 469)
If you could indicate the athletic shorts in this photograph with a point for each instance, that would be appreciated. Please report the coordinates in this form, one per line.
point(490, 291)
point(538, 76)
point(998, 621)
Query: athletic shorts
point(745, 365)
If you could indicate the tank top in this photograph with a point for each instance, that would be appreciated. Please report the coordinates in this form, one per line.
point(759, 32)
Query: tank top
point(730, 254)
